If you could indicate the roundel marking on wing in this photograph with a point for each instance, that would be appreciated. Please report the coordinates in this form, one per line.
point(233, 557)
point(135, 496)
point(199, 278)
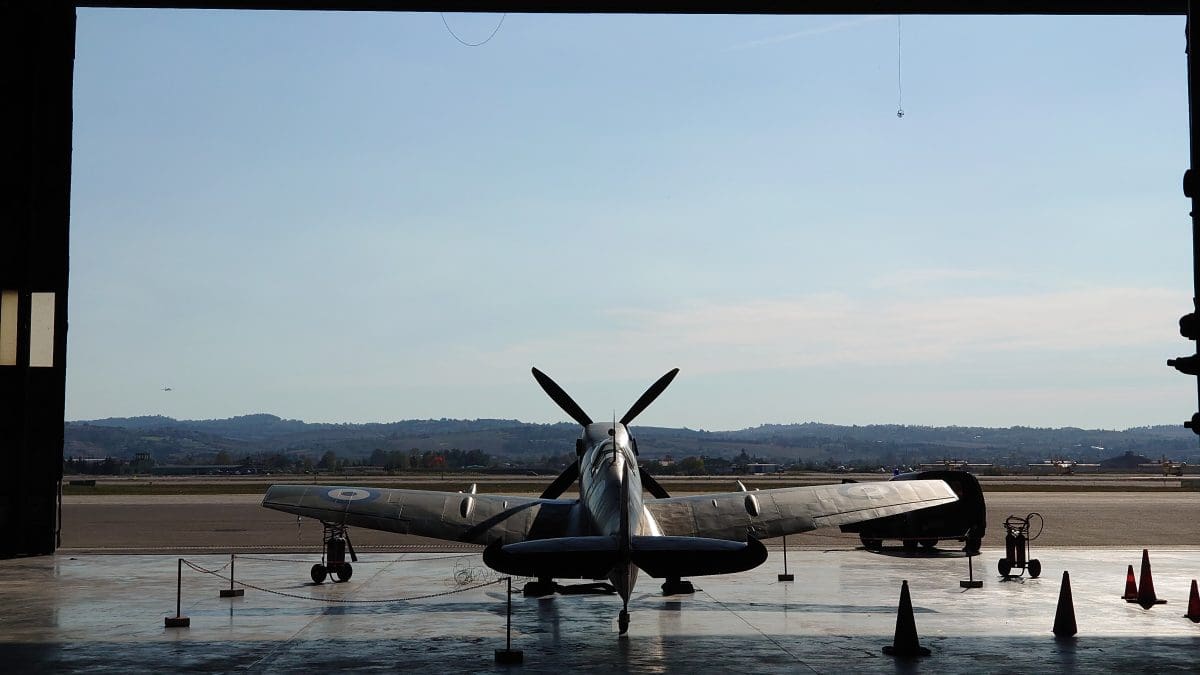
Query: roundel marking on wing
point(348, 494)
point(865, 491)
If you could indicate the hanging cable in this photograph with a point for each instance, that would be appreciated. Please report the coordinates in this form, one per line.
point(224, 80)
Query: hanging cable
point(472, 44)
point(899, 81)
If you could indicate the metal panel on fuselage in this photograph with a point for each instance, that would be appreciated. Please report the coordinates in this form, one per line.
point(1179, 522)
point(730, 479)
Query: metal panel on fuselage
point(601, 474)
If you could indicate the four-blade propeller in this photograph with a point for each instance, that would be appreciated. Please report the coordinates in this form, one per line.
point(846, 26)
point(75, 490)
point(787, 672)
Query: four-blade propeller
point(648, 397)
point(560, 397)
point(569, 406)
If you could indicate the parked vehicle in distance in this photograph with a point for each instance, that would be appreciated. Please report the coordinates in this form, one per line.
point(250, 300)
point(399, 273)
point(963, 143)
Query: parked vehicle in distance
point(964, 520)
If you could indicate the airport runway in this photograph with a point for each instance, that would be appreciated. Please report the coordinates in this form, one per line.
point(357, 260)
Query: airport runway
point(159, 523)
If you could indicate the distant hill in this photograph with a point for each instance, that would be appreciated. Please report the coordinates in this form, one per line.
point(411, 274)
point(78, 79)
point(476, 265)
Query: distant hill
point(169, 440)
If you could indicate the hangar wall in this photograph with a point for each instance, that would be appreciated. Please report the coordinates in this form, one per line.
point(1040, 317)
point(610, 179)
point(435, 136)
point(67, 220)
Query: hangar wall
point(37, 57)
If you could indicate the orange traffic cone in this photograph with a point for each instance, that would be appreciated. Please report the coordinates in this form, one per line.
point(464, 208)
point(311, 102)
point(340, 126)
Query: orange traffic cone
point(905, 644)
point(1130, 587)
point(1193, 605)
point(1146, 596)
point(1064, 616)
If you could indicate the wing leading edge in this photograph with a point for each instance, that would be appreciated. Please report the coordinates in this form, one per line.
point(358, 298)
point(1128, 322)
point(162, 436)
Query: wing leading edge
point(450, 516)
point(783, 511)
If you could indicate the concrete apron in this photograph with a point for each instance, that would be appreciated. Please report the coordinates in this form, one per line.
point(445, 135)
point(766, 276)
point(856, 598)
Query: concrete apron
point(105, 613)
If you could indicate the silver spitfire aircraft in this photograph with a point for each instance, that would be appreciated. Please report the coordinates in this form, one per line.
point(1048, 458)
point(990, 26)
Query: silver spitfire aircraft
point(612, 530)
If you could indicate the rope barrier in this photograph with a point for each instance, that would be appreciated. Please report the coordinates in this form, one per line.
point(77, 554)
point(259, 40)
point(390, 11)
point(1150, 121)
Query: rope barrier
point(360, 562)
point(198, 569)
point(773, 641)
point(216, 573)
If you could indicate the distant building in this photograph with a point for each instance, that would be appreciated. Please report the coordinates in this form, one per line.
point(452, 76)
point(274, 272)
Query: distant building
point(762, 468)
point(201, 469)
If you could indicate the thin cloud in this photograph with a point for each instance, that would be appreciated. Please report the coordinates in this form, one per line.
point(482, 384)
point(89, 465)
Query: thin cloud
point(809, 32)
point(935, 275)
point(837, 329)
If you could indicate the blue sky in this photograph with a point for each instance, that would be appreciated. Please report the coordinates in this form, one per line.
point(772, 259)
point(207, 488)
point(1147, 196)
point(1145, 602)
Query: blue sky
point(353, 217)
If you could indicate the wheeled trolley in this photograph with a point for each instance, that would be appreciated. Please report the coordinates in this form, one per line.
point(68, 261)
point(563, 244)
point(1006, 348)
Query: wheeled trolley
point(1016, 546)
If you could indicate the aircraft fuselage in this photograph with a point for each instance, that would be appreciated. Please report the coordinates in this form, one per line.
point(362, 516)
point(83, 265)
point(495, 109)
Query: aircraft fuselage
point(610, 492)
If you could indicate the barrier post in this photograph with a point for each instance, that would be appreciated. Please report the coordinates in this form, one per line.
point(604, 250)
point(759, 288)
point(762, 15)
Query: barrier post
point(232, 592)
point(178, 621)
point(508, 655)
point(971, 581)
point(785, 576)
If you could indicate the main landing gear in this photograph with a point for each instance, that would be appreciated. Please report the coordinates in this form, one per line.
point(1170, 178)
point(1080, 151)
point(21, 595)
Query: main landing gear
point(540, 588)
point(335, 543)
point(623, 621)
point(544, 586)
point(675, 586)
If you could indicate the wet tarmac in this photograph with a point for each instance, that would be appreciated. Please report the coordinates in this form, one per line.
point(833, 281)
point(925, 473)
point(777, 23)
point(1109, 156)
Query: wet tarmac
point(104, 613)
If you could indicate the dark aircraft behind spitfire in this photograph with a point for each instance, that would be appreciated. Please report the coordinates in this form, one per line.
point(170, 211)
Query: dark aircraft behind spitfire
point(612, 531)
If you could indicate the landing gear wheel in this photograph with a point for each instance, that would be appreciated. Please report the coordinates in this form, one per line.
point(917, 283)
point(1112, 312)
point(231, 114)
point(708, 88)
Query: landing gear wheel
point(344, 572)
point(318, 573)
point(1034, 567)
point(539, 588)
point(910, 544)
point(1005, 566)
point(623, 622)
point(929, 543)
point(678, 587)
point(870, 544)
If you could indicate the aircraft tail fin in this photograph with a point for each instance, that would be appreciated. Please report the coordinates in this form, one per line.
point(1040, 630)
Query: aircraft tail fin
point(624, 533)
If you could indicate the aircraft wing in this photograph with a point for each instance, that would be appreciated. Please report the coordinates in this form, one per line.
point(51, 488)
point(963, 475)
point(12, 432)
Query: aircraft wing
point(450, 516)
point(781, 511)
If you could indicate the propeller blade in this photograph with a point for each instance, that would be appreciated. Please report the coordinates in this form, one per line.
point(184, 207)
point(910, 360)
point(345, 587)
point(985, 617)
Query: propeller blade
point(554, 490)
point(652, 486)
point(648, 397)
point(560, 397)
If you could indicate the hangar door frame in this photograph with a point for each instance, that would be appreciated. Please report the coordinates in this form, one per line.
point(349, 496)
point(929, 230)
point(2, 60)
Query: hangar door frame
point(37, 42)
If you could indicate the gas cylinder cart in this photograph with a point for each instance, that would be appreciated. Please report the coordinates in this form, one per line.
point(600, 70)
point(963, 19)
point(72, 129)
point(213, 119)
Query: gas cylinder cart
point(1016, 546)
